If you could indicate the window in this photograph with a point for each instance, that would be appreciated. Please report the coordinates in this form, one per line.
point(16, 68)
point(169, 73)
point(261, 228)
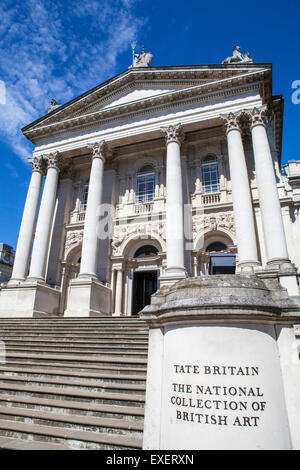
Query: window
point(84, 195)
point(145, 251)
point(210, 175)
point(216, 246)
point(145, 184)
point(220, 263)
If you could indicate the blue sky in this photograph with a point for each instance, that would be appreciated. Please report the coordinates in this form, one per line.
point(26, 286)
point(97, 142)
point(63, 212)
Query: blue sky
point(59, 49)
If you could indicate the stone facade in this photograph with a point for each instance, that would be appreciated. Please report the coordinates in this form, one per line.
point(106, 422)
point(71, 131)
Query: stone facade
point(174, 122)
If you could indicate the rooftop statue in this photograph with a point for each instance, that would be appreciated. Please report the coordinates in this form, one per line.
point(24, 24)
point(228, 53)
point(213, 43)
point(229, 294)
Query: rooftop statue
point(53, 105)
point(142, 60)
point(237, 56)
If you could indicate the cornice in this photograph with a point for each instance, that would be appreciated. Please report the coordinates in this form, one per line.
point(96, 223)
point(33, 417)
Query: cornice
point(46, 127)
point(130, 111)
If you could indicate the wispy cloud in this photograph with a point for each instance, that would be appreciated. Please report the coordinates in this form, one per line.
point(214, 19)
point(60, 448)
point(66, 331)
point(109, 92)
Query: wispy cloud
point(58, 50)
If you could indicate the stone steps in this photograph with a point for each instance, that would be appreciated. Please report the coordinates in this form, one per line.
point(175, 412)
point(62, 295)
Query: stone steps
point(121, 361)
point(141, 371)
point(63, 349)
point(58, 372)
point(73, 383)
point(90, 423)
point(72, 406)
point(73, 438)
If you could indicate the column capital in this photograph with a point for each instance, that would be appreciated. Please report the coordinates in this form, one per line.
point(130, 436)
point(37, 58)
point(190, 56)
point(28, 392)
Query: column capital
point(99, 150)
point(53, 160)
point(173, 133)
point(257, 116)
point(231, 121)
point(38, 164)
point(67, 171)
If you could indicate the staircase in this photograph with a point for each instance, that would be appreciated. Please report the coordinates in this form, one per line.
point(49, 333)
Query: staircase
point(73, 383)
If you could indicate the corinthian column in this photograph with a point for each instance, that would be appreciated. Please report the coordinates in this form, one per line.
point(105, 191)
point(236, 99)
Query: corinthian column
point(272, 222)
point(45, 220)
point(90, 245)
point(28, 222)
point(174, 201)
point(241, 196)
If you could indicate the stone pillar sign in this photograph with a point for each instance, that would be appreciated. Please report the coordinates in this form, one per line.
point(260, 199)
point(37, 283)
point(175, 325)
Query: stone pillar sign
point(223, 372)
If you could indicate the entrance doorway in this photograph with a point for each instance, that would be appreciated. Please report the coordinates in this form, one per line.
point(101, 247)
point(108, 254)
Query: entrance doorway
point(144, 285)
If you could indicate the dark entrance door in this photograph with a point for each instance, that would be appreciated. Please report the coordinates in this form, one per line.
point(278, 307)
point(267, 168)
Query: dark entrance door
point(144, 285)
point(222, 263)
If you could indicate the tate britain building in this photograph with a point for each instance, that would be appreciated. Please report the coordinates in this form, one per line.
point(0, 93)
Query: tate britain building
point(154, 176)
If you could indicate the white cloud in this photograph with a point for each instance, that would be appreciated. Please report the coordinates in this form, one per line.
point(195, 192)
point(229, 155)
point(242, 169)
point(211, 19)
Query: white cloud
point(58, 50)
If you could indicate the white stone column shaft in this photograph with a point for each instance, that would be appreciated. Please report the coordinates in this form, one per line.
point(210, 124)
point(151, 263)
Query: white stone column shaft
point(273, 228)
point(241, 195)
point(90, 245)
point(174, 201)
point(28, 223)
point(45, 220)
point(119, 291)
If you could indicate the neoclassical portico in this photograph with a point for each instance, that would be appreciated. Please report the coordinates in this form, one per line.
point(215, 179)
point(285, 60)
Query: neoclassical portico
point(220, 187)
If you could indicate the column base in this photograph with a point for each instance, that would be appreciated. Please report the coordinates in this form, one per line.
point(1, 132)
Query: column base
point(248, 267)
point(87, 298)
point(30, 299)
point(172, 275)
point(15, 282)
point(281, 264)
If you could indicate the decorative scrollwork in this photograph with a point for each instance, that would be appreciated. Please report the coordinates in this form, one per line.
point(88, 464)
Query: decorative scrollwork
point(173, 133)
point(99, 150)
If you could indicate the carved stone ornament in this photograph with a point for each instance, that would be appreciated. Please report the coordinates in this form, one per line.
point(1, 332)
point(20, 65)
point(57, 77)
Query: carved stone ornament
point(54, 160)
point(73, 238)
point(38, 164)
point(143, 59)
point(231, 121)
point(173, 133)
point(66, 171)
point(212, 223)
point(53, 105)
point(257, 116)
point(144, 230)
point(99, 149)
point(238, 57)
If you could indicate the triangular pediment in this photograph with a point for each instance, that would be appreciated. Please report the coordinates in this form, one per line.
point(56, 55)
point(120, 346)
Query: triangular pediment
point(142, 88)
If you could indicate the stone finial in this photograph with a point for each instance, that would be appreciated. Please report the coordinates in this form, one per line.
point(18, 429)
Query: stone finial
point(238, 57)
point(99, 149)
point(173, 133)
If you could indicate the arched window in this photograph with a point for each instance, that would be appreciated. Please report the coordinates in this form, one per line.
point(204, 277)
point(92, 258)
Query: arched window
point(216, 246)
point(146, 251)
point(210, 175)
point(145, 184)
point(84, 195)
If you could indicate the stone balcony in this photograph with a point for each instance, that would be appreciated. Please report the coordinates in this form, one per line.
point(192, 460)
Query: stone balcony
point(77, 217)
point(134, 209)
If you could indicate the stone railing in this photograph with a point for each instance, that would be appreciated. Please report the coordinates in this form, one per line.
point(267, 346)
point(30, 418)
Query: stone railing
point(213, 198)
point(143, 207)
point(76, 217)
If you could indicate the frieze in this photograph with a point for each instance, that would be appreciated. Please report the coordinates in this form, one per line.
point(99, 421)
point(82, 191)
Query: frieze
point(143, 230)
point(213, 222)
